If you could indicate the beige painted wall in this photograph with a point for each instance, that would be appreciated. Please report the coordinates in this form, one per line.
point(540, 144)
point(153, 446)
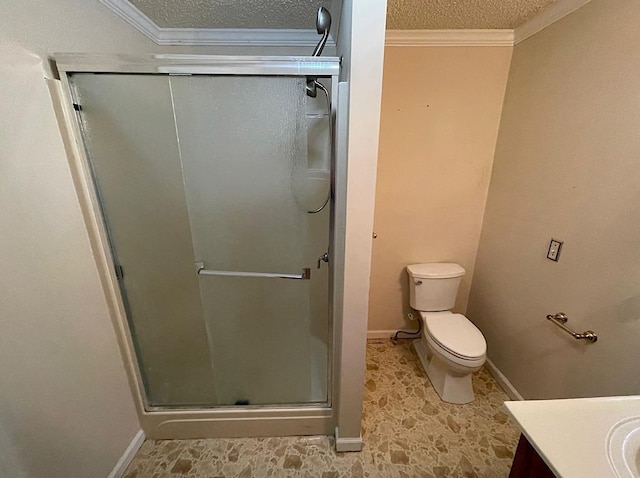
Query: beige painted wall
point(441, 109)
point(65, 405)
point(567, 166)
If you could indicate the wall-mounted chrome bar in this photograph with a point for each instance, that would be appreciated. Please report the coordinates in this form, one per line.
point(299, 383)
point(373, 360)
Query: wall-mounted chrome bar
point(560, 319)
point(200, 270)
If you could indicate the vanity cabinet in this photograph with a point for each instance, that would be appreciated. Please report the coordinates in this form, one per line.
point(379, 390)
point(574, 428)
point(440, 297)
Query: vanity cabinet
point(527, 463)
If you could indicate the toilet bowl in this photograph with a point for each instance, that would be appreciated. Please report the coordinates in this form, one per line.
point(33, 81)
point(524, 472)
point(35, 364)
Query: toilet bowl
point(450, 352)
point(451, 347)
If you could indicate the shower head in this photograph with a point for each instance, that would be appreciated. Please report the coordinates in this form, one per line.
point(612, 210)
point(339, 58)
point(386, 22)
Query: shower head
point(323, 20)
point(323, 26)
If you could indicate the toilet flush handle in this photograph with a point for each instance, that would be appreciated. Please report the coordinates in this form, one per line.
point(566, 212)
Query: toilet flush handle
point(418, 282)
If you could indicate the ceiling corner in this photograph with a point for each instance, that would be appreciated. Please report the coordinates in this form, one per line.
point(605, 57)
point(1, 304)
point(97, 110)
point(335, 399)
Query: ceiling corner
point(133, 17)
point(214, 36)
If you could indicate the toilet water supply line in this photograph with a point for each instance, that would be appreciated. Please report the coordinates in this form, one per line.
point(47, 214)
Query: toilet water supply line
point(411, 335)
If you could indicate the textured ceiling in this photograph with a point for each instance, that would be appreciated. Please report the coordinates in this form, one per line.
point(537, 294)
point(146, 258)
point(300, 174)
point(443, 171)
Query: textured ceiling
point(232, 13)
point(300, 14)
point(460, 14)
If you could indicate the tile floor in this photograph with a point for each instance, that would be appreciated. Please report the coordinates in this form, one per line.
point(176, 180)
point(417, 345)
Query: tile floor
point(407, 432)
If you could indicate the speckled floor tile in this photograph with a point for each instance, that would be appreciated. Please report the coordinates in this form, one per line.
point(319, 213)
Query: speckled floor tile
point(407, 430)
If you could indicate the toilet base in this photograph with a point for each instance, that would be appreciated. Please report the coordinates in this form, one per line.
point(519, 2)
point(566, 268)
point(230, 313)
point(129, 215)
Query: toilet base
point(451, 385)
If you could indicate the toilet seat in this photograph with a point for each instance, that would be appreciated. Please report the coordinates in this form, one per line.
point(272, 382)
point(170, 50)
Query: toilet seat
point(455, 335)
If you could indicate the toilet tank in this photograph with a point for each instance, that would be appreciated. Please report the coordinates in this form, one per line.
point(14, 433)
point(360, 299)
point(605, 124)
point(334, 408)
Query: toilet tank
point(434, 286)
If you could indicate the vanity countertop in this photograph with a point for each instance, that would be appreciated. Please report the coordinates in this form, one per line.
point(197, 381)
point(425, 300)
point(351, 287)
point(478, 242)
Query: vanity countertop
point(571, 434)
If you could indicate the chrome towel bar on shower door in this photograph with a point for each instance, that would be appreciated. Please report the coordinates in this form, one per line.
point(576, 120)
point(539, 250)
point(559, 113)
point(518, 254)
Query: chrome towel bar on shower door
point(200, 270)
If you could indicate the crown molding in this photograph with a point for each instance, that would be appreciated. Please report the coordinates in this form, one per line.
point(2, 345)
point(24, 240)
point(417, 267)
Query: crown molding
point(546, 17)
point(449, 38)
point(212, 36)
point(309, 38)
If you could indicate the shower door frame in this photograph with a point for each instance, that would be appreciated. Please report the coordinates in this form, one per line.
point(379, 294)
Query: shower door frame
point(169, 422)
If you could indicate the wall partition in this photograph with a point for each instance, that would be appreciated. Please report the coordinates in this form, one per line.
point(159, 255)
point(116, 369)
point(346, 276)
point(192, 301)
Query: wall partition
point(206, 177)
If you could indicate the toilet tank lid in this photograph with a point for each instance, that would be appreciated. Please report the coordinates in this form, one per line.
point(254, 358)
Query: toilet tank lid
point(436, 270)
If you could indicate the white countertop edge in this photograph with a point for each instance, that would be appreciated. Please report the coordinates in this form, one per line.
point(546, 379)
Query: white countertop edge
point(515, 416)
point(570, 434)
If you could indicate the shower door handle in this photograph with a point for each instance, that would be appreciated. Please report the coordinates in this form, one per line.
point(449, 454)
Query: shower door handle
point(201, 271)
point(324, 258)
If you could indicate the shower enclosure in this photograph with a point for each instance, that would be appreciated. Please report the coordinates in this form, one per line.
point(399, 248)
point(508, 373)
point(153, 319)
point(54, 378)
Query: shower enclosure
point(202, 180)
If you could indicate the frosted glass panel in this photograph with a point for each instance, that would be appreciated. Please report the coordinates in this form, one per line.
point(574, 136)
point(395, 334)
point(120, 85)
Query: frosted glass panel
point(221, 170)
point(243, 145)
point(130, 137)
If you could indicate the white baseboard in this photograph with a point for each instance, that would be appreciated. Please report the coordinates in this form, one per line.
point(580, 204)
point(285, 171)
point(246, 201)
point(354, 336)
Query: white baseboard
point(380, 334)
point(503, 381)
point(348, 444)
point(127, 456)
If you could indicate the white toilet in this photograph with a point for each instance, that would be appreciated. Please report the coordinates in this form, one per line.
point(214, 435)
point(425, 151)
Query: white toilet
point(451, 347)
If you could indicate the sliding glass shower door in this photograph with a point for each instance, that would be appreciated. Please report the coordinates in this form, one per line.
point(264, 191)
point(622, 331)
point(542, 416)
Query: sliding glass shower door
point(205, 185)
